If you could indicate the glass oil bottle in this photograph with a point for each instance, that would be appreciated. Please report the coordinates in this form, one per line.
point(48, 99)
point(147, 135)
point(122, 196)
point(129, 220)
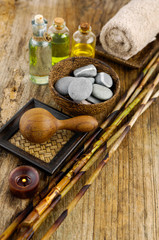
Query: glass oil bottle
point(40, 52)
point(83, 42)
point(60, 40)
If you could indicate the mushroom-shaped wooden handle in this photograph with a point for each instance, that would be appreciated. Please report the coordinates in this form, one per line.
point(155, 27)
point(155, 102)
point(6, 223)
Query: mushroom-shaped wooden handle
point(81, 123)
point(38, 125)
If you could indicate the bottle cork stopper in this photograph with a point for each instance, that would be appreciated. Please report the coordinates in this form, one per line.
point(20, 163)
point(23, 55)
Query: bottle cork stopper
point(85, 26)
point(39, 19)
point(59, 21)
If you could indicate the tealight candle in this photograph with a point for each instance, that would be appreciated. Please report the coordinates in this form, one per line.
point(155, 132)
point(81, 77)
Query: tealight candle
point(24, 181)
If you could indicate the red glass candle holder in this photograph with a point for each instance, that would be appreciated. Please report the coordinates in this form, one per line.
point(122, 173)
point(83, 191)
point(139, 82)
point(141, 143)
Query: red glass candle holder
point(24, 181)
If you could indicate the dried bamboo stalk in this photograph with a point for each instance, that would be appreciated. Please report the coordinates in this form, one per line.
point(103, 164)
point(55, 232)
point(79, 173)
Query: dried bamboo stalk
point(127, 128)
point(30, 231)
point(92, 160)
point(44, 204)
point(149, 68)
point(45, 191)
point(144, 81)
point(36, 225)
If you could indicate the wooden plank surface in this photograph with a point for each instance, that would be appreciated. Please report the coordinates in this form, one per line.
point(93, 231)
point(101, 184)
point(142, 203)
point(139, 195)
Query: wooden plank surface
point(123, 202)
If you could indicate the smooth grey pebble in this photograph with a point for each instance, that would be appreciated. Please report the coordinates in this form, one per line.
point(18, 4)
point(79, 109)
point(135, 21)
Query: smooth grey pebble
point(85, 102)
point(104, 79)
point(86, 71)
point(101, 92)
point(62, 85)
point(80, 89)
point(93, 99)
point(90, 78)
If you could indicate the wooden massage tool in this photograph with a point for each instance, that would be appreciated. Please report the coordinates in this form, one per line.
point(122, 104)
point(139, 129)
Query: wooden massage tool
point(38, 125)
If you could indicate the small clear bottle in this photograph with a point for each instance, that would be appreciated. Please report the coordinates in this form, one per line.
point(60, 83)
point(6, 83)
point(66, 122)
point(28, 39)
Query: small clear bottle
point(83, 42)
point(40, 52)
point(60, 40)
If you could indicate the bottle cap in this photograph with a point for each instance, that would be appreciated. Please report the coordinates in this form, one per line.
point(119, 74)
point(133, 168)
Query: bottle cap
point(59, 22)
point(39, 19)
point(85, 26)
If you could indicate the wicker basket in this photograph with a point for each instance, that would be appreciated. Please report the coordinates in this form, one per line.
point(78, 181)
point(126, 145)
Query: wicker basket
point(66, 68)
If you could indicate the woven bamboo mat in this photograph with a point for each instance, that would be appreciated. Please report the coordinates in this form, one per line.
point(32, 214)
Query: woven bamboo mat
point(44, 151)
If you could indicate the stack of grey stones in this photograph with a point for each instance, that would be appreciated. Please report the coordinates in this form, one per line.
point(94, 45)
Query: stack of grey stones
point(87, 86)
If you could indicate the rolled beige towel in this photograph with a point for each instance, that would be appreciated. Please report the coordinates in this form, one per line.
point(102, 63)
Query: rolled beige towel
point(131, 29)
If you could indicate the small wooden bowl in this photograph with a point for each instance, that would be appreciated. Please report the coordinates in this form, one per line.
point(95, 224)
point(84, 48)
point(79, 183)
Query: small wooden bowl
point(66, 68)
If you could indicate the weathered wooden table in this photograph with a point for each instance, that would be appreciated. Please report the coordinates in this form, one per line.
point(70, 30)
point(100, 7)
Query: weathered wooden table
point(123, 202)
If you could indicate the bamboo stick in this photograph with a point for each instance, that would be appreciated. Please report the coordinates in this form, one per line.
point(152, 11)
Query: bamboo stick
point(83, 170)
point(29, 231)
point(107, 157)
point(12, 227)
point(45, 191)
point(144, 81)
point(149, 68)
point(119, 132)
point(41, 207)
point(153, 60)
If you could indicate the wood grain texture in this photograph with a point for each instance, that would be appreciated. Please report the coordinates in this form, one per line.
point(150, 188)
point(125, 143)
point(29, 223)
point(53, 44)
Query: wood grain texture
point(122, 203)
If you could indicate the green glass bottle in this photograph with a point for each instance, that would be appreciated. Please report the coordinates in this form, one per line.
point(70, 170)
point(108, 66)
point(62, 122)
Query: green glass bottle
point(60, 40)
point(40, 52)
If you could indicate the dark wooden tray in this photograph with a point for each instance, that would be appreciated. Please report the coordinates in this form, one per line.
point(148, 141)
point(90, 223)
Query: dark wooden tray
point(137, 61)
point(9, 139)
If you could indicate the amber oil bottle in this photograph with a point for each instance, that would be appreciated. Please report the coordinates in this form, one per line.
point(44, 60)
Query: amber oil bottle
point(83, 42)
